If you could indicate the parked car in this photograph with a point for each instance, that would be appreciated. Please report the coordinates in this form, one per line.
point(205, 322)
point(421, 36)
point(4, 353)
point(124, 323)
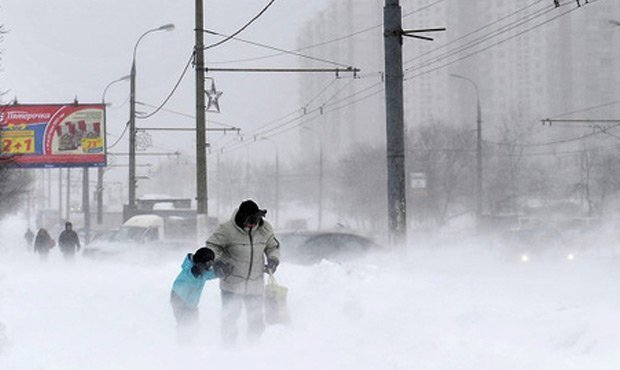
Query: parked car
point(139, 232)
point(538, 242)
point(308, 247)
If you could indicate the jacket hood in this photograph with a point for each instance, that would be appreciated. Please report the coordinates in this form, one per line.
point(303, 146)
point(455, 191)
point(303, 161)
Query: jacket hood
point(245, 209)
point(187, 263)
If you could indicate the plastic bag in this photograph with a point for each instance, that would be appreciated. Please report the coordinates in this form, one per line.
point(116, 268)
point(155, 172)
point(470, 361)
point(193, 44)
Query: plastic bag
point(276, 311)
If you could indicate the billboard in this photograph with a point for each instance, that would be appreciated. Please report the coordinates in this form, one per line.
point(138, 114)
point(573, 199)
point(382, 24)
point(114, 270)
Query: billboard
point(51, 136)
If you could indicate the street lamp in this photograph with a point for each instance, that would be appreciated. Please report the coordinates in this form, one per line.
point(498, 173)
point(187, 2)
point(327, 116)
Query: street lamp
point(320, 173)
point(105, 90)
point(99, 191)
point(277, 213)
point(132, 117)
point(478, 146)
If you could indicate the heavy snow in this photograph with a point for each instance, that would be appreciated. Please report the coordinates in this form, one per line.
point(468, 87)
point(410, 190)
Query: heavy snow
point(450, 303)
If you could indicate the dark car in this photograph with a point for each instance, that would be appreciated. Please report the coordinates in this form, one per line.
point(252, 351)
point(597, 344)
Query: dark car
point(537, 242)
point(308, 247)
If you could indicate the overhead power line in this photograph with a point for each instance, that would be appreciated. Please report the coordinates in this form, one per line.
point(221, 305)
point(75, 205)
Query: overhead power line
point(333, 106)
point(472, 32)
point(327, 42)
point(587, 109)
point(480, 40)
point(278, 49)
point(228, 38)
point(174, 89)
point(488, 46)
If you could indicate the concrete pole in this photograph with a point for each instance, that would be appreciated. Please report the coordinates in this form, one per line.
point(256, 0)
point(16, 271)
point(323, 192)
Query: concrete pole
point(60, 192)
point(321, 175)
point(86, 203)
point(478, 146)
point(277, 223)
point(201, 132)
point(68, 205)
point(277, 181)
point(478, 158)
point(49, 189)
point(100, 195)
point(219, 185)
point(397, 216)
point(132, 134)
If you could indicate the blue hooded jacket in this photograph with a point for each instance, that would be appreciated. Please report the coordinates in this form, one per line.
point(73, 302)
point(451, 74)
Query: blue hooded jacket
point(188, 287)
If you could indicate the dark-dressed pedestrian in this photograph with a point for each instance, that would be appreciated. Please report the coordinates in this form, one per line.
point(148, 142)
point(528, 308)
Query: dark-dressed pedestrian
point(69, 242)
point(43, 243)
point(29, 237)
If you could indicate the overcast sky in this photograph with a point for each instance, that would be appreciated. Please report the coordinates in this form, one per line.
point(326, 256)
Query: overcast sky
point(57, 50)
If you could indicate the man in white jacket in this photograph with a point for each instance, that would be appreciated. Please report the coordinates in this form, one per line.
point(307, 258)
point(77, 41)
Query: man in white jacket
point(241, 246)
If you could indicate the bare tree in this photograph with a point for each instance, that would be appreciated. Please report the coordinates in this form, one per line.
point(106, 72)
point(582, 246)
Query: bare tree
point(14, 185)
point(446, 155)
point(360, 185)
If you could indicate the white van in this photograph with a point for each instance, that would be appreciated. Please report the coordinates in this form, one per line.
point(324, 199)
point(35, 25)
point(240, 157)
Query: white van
point(141, 229)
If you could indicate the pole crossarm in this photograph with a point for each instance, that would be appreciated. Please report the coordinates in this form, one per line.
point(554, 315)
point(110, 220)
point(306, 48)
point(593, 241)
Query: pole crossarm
point(408, 33)
point(587, 121)
point(405, 32)
point(147, 154)
point(192, 129)
point(353, 70)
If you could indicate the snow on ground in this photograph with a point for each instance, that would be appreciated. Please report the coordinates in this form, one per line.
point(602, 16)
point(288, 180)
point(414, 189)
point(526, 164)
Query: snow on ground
point(440, 305)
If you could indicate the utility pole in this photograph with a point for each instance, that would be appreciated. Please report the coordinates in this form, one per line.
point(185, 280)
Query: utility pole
point(86, 204)
point(201, 136)
point(397, 206)
point(99, 195)
point(68, 206)
point(394, 112)
point(60, 192)
point(478, 147)
point(132, 137)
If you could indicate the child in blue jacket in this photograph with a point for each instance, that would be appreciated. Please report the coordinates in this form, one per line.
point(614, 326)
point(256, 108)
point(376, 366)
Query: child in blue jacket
point(197, 268)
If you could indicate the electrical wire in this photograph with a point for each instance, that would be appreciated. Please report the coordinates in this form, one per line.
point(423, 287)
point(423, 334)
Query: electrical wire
point(176, 85)
point(120, 136)
point(473, 32)
point(327, 42)
point(587, 109)
point(187, 115)
point(319, 94)
point(279, 49)
point(563, 141)
point(242, 28)
point(490, 46)
point(480, 40)
point(371, 94)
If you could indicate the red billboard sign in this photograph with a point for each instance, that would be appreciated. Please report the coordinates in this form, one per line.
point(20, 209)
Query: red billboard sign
point(68, 135)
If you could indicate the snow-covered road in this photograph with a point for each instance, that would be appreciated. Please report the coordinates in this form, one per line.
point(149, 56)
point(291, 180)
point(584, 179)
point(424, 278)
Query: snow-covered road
point(438, 306)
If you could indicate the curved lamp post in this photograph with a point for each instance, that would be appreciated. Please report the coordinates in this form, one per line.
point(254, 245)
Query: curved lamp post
point(105, 90)
point(277, 190)
point(478, 146)
point(132, 116)
point(99, 190)
point(320, 174)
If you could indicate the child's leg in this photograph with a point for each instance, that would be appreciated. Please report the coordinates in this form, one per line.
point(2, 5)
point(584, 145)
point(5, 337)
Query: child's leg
point(185, 316)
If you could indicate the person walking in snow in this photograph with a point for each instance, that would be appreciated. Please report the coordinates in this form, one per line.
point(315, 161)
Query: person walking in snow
point(69, 241)
point(241, 246)
point(29, 236)
point(187, 288)
point(43, 243)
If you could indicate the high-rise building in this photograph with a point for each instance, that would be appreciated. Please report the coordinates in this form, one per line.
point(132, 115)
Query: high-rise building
point(529, 61)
